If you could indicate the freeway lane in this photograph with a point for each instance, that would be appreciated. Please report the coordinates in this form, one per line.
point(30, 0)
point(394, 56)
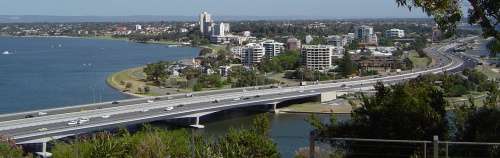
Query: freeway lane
point(25, 129)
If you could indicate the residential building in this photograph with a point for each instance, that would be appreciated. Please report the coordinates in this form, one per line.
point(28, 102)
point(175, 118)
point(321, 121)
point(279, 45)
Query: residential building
point(237, 51)
point(293, 44)
point(366, 35)
point(272, 48)
point(138, 27)
point(337, 41)
point(252, 54)
point(395, 33)
point(309, 39)
point(317, 57)
point(220, 29)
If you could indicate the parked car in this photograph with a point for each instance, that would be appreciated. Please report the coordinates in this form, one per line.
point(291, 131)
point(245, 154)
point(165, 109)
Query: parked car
point(29, 116)
point(115, 102)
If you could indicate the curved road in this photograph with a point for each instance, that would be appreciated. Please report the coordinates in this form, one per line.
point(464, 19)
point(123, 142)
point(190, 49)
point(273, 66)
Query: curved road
point(133, 111)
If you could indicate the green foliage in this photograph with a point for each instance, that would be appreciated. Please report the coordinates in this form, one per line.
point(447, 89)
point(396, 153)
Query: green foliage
point(494, 47)
point(354, 45)
point(320, 40)
point(198, 87)
point(157, 143)
point(288, 60)
point(9, 149)
point(205, 51)
point(156, 72)
point(304, 74)
point(447, 13)
point(405, 111)
point(347, 67)
point(242, 77)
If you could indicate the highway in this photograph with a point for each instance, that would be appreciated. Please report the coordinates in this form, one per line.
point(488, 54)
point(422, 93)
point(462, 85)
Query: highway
point(134, 111)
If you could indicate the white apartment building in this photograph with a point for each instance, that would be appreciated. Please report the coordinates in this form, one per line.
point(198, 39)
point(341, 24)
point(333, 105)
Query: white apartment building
point(237, 51)
point(272, 48)
point(317, 57)
point(138, 27)
point(252, 54)
point(395, 33)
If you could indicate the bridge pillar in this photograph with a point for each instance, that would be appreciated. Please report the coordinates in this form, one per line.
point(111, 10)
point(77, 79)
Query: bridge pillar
point(275, 109)
point(197, 123)
point(44, 153)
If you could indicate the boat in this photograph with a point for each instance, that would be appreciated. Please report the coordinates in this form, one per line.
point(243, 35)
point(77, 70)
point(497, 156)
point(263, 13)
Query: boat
point(6, 53)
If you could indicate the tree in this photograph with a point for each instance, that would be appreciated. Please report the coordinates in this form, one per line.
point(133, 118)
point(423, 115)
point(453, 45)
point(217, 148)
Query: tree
point(128, 85)
point(9, 149)
point(447, 13)
point(156, 72)
point(414, 111)
point(347, 66)
point(147, 89)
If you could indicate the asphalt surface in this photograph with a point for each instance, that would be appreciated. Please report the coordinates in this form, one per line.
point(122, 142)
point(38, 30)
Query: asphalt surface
point(133, 111)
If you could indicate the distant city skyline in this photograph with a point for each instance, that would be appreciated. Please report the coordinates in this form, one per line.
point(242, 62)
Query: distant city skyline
point(264, 8)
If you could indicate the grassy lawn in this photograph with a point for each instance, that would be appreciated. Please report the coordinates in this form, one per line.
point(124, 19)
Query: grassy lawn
point(132, 75)
point(280, 77)
point(417, 61)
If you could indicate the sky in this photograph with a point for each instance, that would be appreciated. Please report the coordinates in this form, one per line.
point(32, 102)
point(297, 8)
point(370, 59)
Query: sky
point(311, 8)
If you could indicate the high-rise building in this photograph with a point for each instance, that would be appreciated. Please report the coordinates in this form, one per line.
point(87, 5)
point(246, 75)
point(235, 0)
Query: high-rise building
point(317, 57)
point(206, 23)
point(220, 29)
point(138, 27)
point(252, 54)
point(272, 48)
point(395, 33)
point(293, 44)
point(365, 35)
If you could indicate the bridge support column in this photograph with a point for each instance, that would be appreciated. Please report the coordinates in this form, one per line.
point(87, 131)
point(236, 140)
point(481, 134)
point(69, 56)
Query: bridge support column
point(197, 123)
point(44, 153)
point(275, 109)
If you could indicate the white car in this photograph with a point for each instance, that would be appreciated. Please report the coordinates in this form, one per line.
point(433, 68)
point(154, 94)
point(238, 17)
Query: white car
point(150, 101)
point(237, 99)
point(105, 116)
point(72, 123)
point(42, 113)
point(189, 95)
point(170, 108)
point(83, 120)
point(144, 110)
point(42, 129)
point(301, 91)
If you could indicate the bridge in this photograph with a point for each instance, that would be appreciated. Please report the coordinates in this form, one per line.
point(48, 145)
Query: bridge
point(41, 126)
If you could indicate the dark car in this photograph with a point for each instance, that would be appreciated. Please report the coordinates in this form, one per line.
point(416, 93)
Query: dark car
point(257, 96)
point(115, 102)
point(29, 116)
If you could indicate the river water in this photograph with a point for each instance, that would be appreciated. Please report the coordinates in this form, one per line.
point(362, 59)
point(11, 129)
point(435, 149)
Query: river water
point(40, 72)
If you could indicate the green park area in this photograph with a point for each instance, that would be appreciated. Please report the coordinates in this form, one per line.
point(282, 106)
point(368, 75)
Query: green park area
point(418, 61)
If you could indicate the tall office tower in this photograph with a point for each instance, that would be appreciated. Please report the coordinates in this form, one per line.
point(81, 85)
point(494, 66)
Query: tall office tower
point(206, 24)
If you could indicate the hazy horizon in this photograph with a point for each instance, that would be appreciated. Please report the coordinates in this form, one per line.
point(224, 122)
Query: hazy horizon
point(190, 8)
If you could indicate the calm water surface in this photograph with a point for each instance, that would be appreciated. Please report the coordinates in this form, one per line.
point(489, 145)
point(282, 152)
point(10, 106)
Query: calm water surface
point(53, 72)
